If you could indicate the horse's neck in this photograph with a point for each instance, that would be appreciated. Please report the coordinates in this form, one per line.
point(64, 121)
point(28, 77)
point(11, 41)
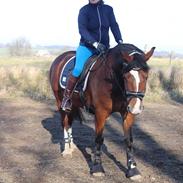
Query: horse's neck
point(113, 68)
point(113, 60)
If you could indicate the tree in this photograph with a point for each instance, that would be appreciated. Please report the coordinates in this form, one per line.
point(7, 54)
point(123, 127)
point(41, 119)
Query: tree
point(20, 47)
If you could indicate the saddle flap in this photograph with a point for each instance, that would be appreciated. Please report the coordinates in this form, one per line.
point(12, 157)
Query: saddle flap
point(69, 66)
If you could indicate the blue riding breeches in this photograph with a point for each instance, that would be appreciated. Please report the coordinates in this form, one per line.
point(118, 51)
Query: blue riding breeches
point(82, 55)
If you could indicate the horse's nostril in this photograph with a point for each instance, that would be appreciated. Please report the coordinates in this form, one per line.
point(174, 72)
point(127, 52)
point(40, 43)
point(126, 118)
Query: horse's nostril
point(128, 108)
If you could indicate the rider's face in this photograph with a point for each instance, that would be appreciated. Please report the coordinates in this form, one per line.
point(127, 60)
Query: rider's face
point(94, 1)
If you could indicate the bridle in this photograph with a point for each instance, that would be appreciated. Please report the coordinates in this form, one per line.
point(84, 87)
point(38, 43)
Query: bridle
point(131, 94)
point(127, 67)
point(134, 94)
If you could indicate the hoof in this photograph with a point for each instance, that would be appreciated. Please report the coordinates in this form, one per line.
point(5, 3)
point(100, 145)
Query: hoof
point(97, 170)
point(134, 174)
point(98, 174)
point(136, 178)
point(67, 153)
point(69, 148)
point(73, 146)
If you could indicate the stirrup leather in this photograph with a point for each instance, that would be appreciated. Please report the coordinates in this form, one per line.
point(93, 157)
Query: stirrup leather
point(66, 104)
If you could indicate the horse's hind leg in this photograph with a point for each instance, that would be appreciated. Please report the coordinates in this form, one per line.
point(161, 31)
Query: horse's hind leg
point(69, 145)
point(132, 171)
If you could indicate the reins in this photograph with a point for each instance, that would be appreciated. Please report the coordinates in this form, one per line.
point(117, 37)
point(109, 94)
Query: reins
point(101, 55)
point(118, 84)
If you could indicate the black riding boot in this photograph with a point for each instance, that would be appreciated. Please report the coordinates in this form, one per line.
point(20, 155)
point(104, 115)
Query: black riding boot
point(66, 101)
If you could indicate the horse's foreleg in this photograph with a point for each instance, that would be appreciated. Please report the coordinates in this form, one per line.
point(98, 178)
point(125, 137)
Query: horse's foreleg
point(97, 169)
point(132, 171)
point(69, 145)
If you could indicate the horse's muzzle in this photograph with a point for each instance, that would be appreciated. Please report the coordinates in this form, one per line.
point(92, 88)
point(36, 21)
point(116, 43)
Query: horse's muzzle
point(135, 106)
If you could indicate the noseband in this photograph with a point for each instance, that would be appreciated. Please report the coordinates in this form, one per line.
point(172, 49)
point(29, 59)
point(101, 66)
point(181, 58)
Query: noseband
point(131, 94)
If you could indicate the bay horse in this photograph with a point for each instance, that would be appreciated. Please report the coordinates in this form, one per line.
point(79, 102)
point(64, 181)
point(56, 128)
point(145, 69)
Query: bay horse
point(117, 83)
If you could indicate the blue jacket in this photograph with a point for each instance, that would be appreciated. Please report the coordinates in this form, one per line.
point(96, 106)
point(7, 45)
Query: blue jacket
point(94, 21)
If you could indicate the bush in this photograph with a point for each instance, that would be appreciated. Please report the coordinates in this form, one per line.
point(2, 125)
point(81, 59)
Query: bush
point(154, 79)
point(176, 79)
point(165, 84)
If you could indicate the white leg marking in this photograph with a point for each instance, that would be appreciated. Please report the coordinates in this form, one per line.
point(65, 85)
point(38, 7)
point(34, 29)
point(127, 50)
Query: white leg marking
point(69, 144)
point(68, 135)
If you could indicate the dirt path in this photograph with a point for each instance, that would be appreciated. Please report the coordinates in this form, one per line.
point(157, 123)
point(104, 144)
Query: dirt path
point(30, 142)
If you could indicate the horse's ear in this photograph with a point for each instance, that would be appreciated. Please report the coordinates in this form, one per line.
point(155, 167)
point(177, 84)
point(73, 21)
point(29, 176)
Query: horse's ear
point(149, 54)
point(127, 57)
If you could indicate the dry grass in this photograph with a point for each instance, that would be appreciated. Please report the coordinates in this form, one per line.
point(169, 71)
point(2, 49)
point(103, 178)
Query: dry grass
point(29, 77)
point(26, 81)
point(164, 63)
point(165, 84)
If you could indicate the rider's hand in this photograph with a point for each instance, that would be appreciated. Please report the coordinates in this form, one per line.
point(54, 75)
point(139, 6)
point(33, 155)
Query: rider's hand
point(100, 47)
point(120, 41)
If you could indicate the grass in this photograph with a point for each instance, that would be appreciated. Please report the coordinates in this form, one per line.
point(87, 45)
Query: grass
point(165, 80)
point(28, 76)
point(165, 63)
point(25, 81)
point(38, 62)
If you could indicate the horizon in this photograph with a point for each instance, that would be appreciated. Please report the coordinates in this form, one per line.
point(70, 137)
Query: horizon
point(144, 24)
point(50, 48)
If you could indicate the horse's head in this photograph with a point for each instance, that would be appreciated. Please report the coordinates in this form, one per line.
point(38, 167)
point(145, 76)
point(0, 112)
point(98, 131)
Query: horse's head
point(135, 74)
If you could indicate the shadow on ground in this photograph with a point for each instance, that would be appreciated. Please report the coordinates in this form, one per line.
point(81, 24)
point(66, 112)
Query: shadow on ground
point(150, 153)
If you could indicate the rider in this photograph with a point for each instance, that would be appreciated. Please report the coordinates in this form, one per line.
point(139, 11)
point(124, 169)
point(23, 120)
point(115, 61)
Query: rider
point(94, 21)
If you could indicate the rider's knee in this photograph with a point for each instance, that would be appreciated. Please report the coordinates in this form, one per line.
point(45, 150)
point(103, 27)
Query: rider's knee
point(76, 72)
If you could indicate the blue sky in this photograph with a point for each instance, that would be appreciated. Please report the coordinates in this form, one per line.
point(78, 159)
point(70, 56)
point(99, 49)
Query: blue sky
point(145, 23)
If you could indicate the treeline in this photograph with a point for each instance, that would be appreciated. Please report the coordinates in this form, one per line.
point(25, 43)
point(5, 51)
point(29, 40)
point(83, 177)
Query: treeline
point(20, 47)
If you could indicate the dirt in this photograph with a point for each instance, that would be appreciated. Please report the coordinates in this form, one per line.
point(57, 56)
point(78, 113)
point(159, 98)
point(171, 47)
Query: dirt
point(31, 143)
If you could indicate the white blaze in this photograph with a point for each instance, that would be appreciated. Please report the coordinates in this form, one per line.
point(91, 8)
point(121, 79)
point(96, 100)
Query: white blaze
point(136, 109)
point(135, 74)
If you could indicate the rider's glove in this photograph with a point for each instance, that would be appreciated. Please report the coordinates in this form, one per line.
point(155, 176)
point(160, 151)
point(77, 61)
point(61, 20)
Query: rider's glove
point(120, 41)
point(100, 47)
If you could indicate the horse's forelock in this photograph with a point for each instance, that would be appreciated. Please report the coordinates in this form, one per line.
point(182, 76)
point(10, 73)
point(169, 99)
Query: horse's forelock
point(129, 48)
point(139, 60)
point(138, 54)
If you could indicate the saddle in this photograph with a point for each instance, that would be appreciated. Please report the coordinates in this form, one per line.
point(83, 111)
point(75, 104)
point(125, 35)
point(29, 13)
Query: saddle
point(69, 66)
